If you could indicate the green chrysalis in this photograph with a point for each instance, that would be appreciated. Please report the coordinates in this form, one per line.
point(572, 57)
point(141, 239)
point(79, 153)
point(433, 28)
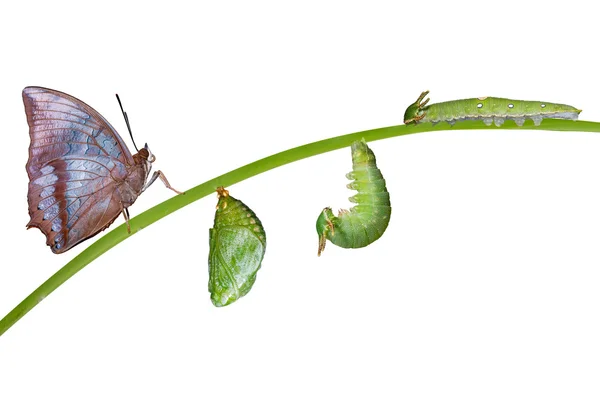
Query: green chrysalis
point(364, 223)
point(487, 109)
point(237, 246)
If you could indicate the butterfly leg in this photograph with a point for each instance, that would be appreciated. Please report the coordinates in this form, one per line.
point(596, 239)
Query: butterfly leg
point(163, 178)
point(126, 215)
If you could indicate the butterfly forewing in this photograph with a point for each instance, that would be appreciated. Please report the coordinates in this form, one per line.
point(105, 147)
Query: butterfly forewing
point(77, 167)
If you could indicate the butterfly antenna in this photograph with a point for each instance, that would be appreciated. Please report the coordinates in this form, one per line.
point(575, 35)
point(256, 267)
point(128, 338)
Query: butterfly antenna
point(127, 122)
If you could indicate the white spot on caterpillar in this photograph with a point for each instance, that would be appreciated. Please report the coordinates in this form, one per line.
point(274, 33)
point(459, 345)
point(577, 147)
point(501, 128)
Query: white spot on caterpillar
point(511, 105)
point(479, 105)
point(543, 105)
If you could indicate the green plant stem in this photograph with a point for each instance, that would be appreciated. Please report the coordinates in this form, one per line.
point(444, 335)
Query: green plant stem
point(165, 208)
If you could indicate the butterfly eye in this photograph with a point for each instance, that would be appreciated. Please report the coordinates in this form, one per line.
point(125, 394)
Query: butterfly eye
point(151, 157)
point(144, 153)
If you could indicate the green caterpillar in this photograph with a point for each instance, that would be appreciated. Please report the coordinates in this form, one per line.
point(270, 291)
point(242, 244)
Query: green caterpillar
point(365, 222)
point(488, 109)
point(237, 247)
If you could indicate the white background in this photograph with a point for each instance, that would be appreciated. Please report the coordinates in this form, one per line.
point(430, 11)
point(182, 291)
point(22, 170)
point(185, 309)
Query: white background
point(485, 285)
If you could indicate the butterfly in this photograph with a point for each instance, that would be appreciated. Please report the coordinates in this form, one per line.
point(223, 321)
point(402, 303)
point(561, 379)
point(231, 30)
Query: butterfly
point(81, 173)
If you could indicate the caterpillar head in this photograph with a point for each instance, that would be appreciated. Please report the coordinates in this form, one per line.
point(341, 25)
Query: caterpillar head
point(416, 111)
point(324, 227)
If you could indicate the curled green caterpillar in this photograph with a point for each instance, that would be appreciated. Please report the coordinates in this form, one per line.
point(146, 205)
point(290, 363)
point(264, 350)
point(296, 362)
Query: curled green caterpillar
point(487, 109)
point(364, 223)
point(237, 247)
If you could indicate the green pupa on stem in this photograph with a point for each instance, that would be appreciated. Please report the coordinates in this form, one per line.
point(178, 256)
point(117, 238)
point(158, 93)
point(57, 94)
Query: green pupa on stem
point(237, 247)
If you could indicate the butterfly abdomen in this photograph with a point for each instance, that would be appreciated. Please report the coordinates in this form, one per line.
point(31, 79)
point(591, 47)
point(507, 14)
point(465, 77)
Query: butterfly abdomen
point(367, 221)
point(488, 109)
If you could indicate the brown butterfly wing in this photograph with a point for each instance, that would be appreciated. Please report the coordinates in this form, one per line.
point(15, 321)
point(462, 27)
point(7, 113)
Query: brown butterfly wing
point(76, 163)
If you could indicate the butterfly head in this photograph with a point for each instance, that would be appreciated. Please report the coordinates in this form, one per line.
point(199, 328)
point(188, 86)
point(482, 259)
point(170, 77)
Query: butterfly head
point(146, 154)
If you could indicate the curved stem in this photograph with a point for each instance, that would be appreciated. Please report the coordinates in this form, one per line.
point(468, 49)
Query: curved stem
point(165, 208)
